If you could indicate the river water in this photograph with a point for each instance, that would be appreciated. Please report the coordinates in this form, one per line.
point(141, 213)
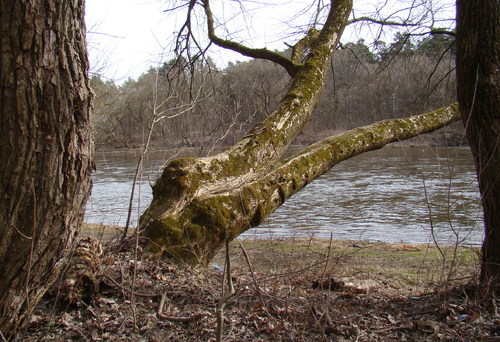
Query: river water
point(410, 194)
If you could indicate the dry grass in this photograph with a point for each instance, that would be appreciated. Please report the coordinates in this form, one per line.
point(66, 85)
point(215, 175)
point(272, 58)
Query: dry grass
point(298, 290)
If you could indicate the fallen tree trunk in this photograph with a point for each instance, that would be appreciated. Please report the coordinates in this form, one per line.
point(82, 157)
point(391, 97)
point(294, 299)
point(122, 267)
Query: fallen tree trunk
point(192, 214)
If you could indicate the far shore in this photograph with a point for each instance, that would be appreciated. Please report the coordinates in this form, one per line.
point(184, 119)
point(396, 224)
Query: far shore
point(295, 147)
point(440, 138)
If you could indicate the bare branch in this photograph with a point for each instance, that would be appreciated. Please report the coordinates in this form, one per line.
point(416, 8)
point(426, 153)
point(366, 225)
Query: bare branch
point(262, 53)
point(443, 31)
point(381, 22)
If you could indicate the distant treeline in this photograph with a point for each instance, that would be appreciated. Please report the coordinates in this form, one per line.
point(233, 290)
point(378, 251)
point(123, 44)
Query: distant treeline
point(202, 106)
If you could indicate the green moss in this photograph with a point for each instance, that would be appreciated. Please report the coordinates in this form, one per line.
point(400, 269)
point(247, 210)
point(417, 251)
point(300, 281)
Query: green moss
point(192, 232)
point(198, 226)
point(166, 230)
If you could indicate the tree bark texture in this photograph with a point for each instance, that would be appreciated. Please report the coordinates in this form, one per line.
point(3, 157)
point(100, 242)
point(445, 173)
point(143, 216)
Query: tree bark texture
point(478, 81)
point(45, 147)
point(194, 231)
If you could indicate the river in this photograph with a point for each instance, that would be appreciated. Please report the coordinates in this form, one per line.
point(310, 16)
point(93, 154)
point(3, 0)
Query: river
point(410, 194)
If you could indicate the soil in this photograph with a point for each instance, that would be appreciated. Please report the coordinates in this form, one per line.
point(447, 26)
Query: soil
point(284, 290)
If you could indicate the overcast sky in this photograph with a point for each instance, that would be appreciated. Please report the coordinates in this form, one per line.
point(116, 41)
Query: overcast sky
point(125, 37)
point(121, 36)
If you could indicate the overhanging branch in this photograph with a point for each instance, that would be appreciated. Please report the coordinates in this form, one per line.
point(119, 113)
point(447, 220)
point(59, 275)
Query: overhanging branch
point(197, 227)
point(432, 31)
point(380, 22)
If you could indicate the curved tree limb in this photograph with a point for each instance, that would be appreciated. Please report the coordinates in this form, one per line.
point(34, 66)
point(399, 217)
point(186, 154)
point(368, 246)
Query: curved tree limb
point(443, 32)
point(265, 144)
point(381, 22)
point(290, 66)
point(199, 203)
point(185, 181)
point(432, 31)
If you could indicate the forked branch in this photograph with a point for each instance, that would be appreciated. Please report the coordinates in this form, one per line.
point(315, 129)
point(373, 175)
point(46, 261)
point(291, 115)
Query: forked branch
point(197, 227)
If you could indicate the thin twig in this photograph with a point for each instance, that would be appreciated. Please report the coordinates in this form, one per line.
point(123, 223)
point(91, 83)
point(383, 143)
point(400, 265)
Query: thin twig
point(32, 247)
point(228, 269)
point(327, 260)
point(192, 318)
point(222, 303)
point(139, 294)
point(220, 315)
point(257, 288)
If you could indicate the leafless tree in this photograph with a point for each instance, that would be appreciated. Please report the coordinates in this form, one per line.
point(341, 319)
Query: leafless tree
point(199, 203)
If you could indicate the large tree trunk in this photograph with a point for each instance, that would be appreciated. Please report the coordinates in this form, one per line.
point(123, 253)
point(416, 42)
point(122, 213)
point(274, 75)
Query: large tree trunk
point(200, 203)
point(45, 147)
point(478, 79)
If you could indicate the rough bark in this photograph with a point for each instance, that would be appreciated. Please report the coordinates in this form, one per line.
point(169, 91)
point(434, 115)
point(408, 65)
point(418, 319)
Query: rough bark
point(478, 80)
point(80, 280)
point(45, 147)
point(193, 231)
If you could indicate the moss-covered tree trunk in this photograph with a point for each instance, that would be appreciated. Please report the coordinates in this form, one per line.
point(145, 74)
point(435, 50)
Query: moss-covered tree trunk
point(198, 203)
point(45, 147)
point(478, 79)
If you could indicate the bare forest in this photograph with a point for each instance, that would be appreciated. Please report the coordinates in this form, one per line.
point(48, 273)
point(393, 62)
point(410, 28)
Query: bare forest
point(210, 108)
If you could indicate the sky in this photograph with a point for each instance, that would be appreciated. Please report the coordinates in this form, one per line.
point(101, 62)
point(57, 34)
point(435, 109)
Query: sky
point(123, 36)
point(126, 37)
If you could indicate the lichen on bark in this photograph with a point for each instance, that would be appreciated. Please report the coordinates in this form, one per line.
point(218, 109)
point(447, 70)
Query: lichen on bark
point(195, 233)
point(193, 200)
point(199, 203)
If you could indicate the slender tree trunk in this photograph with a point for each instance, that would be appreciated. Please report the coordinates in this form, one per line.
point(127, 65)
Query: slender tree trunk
point(478, 79)
point(45, 147)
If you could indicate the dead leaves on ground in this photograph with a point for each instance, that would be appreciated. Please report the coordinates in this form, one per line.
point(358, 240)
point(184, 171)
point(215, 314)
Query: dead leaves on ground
point(285, 307)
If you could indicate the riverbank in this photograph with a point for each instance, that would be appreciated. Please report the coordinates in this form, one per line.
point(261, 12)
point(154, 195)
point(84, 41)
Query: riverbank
point(388, 267)
point(286, 290)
